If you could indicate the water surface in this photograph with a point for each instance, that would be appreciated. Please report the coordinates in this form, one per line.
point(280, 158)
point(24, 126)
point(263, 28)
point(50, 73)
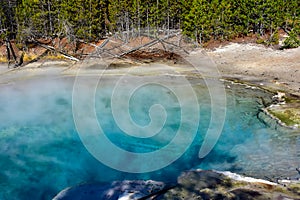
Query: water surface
point(41, 153)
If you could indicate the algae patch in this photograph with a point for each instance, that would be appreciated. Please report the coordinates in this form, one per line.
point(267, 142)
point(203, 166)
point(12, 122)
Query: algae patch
point(289, 114)
point(289, 117)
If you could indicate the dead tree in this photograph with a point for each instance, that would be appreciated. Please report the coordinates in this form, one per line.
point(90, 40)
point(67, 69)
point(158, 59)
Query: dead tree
point(50, 48)
point(20, 62)
point(11, 56)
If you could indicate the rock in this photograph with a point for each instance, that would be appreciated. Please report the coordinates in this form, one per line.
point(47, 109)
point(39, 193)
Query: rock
point(199, 184)
point(194, 184)
point(287, 115)
point(279, 97)
point(117, 190)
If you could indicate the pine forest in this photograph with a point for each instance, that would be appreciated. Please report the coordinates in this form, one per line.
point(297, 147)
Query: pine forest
point(202, 20)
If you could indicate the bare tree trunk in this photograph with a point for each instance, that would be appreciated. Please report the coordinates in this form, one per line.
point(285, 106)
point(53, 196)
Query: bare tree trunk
point(148, 27)
point(90, 23)
point(1, 25)
point(127, 26)
point(50, 48)
point(157, 15)
point(50, 17)
point(196, 37)
point(139, 20)
point(201, 35)
point(168, 18)
point(10, 52)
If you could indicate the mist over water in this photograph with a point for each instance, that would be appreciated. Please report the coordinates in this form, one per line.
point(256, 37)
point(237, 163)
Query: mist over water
point(41, 152)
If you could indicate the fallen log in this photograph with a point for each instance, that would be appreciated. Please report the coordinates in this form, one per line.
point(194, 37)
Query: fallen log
point(161, 42)
point(103, 44)
point(50, 48)
point(153, 42)
point(39, 57)
point(149, 44)
point(99, 49)
point(185, 51)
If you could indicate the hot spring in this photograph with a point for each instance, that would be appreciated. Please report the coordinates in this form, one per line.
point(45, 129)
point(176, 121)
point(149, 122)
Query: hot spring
point(42, 151)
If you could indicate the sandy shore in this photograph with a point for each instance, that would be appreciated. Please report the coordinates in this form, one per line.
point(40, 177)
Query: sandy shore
point(276, 69)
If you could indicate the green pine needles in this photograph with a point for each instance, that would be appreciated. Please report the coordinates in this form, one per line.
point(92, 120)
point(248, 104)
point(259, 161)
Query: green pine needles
point(202, 20)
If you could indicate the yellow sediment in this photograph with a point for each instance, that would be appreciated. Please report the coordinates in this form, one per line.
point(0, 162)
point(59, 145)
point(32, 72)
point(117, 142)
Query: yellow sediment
point(3, 59)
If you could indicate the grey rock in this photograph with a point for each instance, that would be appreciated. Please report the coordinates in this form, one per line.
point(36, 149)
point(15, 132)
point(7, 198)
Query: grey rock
point(207, 185)
point(116, 190)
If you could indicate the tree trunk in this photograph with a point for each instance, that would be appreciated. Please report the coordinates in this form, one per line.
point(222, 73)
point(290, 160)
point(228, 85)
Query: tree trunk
point(50, 18)
point(10, 52)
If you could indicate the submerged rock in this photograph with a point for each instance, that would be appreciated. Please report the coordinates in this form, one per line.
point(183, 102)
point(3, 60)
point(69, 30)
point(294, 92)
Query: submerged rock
point(117, 190)
point(198, 184)
point(194, 184)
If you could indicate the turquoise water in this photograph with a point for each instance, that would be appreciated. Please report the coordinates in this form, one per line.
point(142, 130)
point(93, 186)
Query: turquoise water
point(41, 152)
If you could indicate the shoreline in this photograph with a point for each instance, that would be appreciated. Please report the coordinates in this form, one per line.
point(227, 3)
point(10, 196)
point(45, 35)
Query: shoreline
point(249, 64)
point(191, 184)
point(277, 71)
point(252, 63)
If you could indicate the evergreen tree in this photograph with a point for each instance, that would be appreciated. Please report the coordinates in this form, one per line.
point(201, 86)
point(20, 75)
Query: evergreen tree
point(7, 18)
point(202, 20)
